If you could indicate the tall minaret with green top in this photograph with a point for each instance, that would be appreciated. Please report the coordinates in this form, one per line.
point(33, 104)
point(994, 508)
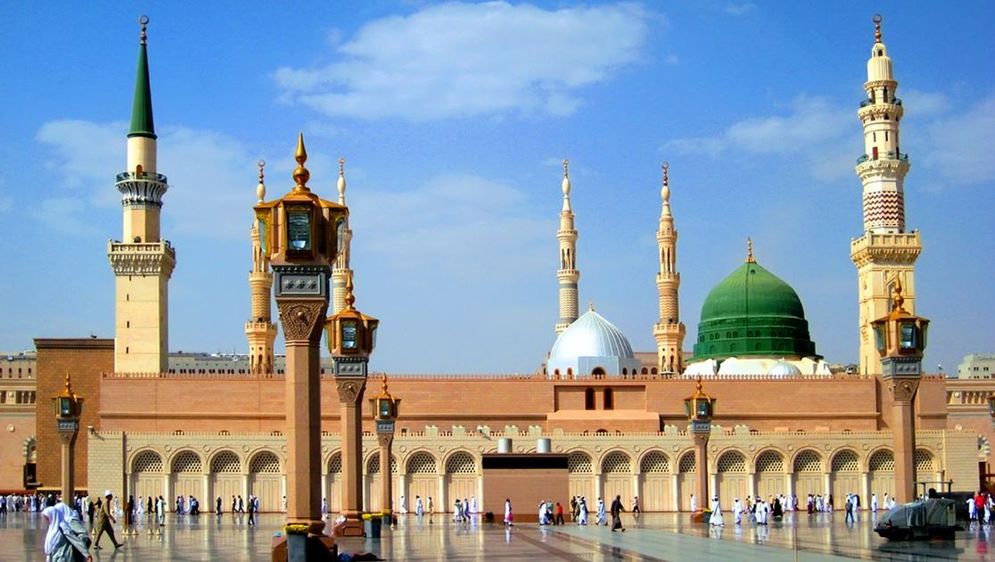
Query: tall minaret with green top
point(886, 253)
point(142, 260)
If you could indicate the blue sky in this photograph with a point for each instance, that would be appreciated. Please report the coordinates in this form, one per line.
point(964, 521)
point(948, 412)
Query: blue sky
point(453, 119)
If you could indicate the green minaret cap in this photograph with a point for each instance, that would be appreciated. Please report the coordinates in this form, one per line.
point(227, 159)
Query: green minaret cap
point(142, 124)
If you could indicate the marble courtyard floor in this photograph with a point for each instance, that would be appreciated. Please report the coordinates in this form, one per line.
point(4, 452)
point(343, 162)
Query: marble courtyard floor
point(820, 538)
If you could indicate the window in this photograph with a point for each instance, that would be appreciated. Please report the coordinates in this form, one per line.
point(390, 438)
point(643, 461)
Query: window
point(589, 399)
point(609, 399)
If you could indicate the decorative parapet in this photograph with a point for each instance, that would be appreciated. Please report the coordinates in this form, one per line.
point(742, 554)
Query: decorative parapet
point(142, 258)
point(902, 247)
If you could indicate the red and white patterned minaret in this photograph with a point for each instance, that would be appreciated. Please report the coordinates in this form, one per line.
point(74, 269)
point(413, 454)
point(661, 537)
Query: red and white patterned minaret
point(886, 253)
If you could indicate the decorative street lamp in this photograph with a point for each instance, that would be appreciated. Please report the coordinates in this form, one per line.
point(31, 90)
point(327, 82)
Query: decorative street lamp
point(298, 231)
point(700, 408)
point(901, 340)
point(385, 408)
point(352, 336)
point(68, 409)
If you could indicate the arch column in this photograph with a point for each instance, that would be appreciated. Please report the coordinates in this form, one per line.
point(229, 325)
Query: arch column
point(751, 482)
point(827, 484)
point(865, 489)
point(635, 486)
point(167, 487)
point(402, 488)
point(245, 488)
point(789, 486)
point(713, 484)
point(675, 490)
point(205, 480)
point(324, 487)
point(442, 491)
point(598, 484)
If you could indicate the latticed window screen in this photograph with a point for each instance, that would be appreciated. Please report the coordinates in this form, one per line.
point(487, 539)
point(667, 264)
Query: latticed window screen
point(421, 463)
point(808, 461)
point(226, 462)
point(266, 463)
point(374, 465)
point(335, 464)
point(923, 460)
point(147, 461)
point(187, 461)
point(461, 463)
point(579, 462)
point(616, 462)
point(732, 462)
point(882, 460)
point(654, 462)
point(845, 461)
point(770, 461)
point(688, 463)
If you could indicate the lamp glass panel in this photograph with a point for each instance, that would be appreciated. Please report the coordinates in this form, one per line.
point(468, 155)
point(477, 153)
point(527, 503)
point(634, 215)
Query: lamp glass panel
point(385, 410)
point(65, 407)
point(702, 408)
point(879, 337)
point(907, 335)
point(299, 230)
point(349, 330)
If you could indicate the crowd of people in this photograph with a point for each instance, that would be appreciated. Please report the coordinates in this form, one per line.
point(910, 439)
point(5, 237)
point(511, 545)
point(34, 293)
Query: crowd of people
point(760, 511)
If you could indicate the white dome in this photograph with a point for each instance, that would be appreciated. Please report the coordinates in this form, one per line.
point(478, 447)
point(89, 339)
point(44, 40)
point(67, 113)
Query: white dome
point(591, 336)
point(591, 345)
point(784, 369)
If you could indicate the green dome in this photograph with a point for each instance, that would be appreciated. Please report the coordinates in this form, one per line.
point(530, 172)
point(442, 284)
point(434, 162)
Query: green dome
point(750, 313)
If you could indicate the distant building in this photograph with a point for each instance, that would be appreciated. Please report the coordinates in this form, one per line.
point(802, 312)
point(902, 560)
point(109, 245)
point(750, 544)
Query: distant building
point(977, 366)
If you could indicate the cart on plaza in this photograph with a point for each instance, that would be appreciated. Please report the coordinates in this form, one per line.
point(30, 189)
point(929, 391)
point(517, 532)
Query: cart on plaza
point(923, 519)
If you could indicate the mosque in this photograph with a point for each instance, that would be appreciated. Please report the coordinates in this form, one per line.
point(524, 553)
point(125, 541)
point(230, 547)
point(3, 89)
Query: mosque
point(156, 425)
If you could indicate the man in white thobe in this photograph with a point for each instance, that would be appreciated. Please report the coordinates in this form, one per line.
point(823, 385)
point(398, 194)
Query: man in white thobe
point(694, 504)
point(582, 520)
point(874, 503)
point(737, 511)
point(716, 517)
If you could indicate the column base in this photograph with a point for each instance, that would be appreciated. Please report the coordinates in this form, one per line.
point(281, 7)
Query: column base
point(317, 549)
point(349, 528)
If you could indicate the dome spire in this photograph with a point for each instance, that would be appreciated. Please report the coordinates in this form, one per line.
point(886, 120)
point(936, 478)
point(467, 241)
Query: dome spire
point(565, 185)
point(877, 19)
point(665, 188)
point(749, 251)
point(341, 182)
point(261, 187)
point(142, 124)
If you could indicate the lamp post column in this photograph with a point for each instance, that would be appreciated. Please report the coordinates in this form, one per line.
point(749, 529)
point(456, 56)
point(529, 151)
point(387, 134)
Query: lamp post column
point(68, 408)
point(385, 440)
point(351, 385)
point(303, 317)
point(700, 408)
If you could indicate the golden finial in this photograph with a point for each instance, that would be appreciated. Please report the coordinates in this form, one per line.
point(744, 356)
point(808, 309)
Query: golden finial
point(143, 21)
point(590, 305)
point(898, 299)
point(69, 384)
point(301, 175)
point(383, 384)
point(877, 27)
point(665, 189)
point(566, 168)
point(697, 386)
point(349, 297)
point(261, 187)
point(749, 251)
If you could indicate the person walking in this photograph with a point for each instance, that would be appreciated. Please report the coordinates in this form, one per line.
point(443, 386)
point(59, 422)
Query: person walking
point(160, 511)
point(105, 521)
point(508, 516)
point(559, 514)
point(616, 511)
point(66, 539)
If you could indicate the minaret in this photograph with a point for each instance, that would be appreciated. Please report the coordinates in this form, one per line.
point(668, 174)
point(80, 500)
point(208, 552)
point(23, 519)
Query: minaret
point(142, 261)
point(886, 253)
point(260, 329)
point(669, 330)
point(340, 271)
point(568, 275)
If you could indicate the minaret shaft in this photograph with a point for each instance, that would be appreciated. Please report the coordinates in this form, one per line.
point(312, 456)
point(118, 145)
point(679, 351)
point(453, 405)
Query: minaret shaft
point(142, 261)
point(341, 271)
point(567, 275)
point(260, 331)
point(886, 253)
point(669, 331)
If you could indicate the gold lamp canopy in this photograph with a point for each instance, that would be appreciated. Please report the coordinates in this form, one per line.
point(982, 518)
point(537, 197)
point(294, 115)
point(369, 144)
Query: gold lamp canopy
point(300, 228)
point(384, 406)
point(350, 332)
point(67, 404)
point(900, 333)
point(699, 407)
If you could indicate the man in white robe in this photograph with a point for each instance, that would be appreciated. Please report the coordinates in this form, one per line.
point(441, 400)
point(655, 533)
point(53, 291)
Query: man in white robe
point(716, 518)
point(473, 505)
point(582, 519)
point(694, 504)
point(972, 510)
point(737, 511)
point(602, 516)
point(874, 503)
point(404, 505)
point(419, 506)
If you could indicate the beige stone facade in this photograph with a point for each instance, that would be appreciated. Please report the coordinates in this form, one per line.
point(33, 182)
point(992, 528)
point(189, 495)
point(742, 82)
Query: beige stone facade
point(657, 467)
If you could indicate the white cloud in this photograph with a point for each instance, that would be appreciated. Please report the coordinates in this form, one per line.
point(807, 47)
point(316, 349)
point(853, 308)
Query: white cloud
point(62, 214)
point(461, 60)
point(823, 136)
point(958, 148)
point(925, 104)
point(740, 9)
point(212, 177)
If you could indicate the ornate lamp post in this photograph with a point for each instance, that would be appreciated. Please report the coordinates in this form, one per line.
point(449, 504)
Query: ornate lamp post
point(700, 408)
point(901, 339)
point(385, 408)
point(351, 339)
point(68, 408)
point(298, 231)
point(991, 408)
